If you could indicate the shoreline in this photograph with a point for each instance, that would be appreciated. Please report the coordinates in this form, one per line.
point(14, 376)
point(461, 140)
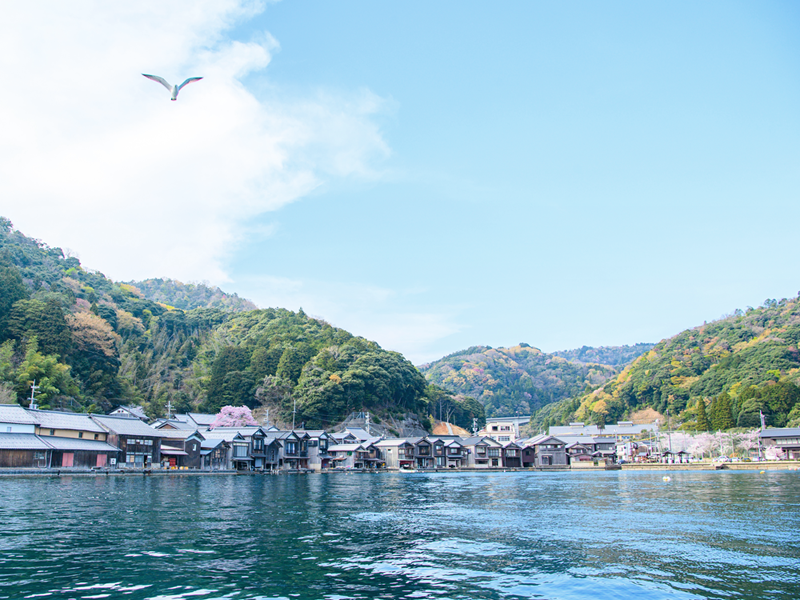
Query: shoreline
point(787, 465)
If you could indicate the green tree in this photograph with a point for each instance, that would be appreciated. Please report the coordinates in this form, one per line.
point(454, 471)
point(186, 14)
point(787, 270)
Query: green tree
point(720, 413)
point(52, 377)
point(11, 290)
point(702, 417)
point(43, 320)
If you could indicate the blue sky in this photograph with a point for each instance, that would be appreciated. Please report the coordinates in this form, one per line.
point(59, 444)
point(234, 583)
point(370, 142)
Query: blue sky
point(428, 175)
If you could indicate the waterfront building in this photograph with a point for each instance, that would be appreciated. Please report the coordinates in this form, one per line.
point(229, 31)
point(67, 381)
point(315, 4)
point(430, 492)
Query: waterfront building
point(139, 444)
point(395, 453)
point(512, 454)
point(181, 449)
point(786, 439)
point(214, 454)
point(483, 452)
point(318, 443)
point(448, 452)
point(544, 451)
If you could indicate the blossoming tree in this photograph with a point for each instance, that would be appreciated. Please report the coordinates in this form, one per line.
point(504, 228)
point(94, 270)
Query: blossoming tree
point(233, 416)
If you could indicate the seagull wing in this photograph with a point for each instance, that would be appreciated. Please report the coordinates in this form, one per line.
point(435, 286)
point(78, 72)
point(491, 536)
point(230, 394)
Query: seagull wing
point(160, 80)
point(188, 81)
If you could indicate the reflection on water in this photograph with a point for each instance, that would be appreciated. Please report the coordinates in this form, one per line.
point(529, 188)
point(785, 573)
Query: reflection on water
point(449, 535)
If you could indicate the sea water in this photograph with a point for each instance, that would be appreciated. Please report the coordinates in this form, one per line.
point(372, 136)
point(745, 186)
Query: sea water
point(587, 536)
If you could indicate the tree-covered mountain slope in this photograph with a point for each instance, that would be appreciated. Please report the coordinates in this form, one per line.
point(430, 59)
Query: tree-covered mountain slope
point(522, 379)
point(715, 376)
point(187, 296)
point(605, 355)
point(92, 344)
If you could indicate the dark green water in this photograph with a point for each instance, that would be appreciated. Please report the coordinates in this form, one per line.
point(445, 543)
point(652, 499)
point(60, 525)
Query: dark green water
point(497, 535)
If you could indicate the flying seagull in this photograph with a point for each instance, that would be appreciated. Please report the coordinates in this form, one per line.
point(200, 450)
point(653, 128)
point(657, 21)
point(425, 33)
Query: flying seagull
point(173, 89)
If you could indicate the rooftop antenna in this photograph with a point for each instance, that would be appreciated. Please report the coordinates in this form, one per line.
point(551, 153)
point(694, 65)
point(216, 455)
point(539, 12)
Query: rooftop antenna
point(34, 387)
point(169, 410)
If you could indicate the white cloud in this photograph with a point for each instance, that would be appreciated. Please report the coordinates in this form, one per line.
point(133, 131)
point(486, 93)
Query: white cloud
point(95, 157)
point(373, 312)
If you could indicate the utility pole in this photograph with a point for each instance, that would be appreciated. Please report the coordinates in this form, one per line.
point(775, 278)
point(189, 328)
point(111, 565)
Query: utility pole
point(169, 409)
point(34, 387)
point(367, 424)
point(474, 426)
point(294, 411)
point(669, 433)
point(267, 417)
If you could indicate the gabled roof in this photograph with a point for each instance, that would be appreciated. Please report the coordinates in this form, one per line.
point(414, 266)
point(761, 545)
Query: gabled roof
point(201, 418)
point(540, 439)
point(173, 424)
point(126, 426)
point(134, 412)
point(360, 433)
point(317, 433)
point(22, 441)
point(210, 444)
point(14, 413)
point(50, 419)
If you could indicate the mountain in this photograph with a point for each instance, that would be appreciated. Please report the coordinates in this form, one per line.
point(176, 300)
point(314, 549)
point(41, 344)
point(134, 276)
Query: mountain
point(715, 376)
point(522, 379)
point(188, 296)
point(605, 355)
point(91, 343)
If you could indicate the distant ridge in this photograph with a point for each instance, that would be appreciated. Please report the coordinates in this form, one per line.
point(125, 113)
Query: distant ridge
point(522, 379)
point(188, 296)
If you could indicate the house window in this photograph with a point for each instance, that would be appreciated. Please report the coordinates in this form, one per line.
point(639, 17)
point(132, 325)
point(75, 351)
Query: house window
point(494, 451)
point(96, 435)
point(80, 434)
point(52, 432)
point(8, 429)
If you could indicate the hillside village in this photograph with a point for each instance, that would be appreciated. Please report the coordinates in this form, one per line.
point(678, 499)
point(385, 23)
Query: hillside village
point(127, 440)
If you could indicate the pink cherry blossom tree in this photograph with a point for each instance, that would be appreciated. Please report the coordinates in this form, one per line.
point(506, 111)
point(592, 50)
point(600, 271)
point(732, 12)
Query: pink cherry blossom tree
point(774, 453)
point(233, 416)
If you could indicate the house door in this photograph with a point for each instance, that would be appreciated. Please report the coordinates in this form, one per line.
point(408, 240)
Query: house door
point(101, 460)
point(67, 458)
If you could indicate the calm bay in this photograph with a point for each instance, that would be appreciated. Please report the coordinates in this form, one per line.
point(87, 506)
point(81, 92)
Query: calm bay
point(559, 535)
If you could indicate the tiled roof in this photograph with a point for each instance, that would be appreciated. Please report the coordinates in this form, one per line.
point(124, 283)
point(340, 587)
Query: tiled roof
point(210, 444)
point(126, 426)
point(780, 433)
point(202, 418)
point(173, 423)
point(221, 434)
point(345, 448)
point(69, 444)
point(72, 421)
point(21, 441)
point(14, 413)
point(177, 434)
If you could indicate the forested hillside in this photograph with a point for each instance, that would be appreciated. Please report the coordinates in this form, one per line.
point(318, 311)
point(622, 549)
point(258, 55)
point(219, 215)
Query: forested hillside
point(605, 355)
point(93, 344)
point(717, 376)
point(522, 379)
point(187, 296)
